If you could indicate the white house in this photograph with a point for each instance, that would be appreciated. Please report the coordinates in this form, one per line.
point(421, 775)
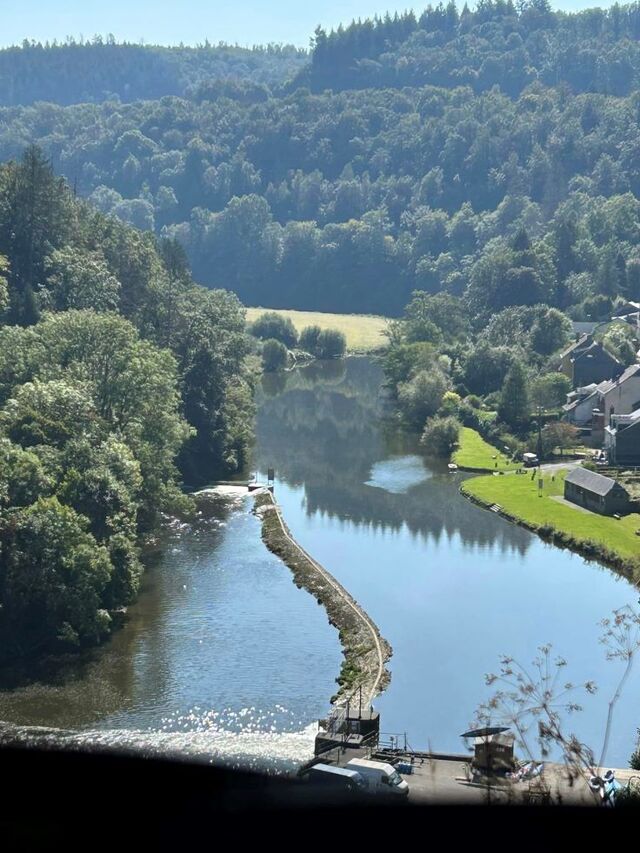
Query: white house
point(619, 396)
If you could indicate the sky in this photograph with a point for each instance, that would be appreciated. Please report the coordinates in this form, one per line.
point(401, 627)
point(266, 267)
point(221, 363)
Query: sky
point(246, 22)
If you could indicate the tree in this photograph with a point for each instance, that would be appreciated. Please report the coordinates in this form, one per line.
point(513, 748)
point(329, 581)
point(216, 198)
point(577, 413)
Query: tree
point(4, 287)
point(550, 332)
point(421, 397)
point(621, 342)
point(558, 434)
point(34, 218)
point(440, 436)
point(486, 367)
point(514, 407)
point(77, 279)
point(274, 356)
point(271, 325)
point(550, 390)
point(52, 576)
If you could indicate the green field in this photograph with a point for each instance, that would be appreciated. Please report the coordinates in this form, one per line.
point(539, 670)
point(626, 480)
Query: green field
point(476, 454)
point(364, 332)
point(518, 495)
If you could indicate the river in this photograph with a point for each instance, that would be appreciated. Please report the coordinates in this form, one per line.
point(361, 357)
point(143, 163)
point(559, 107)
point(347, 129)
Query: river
point(223, 657)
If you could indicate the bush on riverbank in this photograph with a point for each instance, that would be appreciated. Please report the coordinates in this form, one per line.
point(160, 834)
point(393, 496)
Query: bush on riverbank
point(440, 436)
point(274, 326)
point(274, 356)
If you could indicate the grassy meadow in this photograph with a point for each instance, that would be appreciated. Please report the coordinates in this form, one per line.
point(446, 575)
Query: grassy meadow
point(478, 455)
point(364, 332)
point(518, 495)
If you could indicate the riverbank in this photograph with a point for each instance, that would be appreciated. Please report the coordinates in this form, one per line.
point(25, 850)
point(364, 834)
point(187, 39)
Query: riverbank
point(365, 650)
point(477, 456)
point(518, 499)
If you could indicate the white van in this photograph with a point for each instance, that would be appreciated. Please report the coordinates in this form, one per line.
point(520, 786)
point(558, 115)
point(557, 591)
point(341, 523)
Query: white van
point(339, 778)
point(380, 777)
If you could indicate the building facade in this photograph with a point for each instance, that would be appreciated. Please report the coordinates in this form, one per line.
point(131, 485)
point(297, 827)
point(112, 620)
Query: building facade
point(594, 492)
point(622, 439)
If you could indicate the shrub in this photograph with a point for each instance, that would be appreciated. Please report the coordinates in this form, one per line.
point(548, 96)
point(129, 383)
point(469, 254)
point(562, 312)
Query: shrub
point(274, 356)
point(450, 403)
point(440, 436)
point(271, 325)
point(331, 344)
point(474, 401)
point(309, 339)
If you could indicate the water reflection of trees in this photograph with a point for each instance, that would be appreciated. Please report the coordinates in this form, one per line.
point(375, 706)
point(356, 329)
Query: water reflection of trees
point(325, 433)
point(77, 691)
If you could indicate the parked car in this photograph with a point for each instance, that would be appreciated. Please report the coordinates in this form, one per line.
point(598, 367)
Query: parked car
point(379, 777)
point(530, 460)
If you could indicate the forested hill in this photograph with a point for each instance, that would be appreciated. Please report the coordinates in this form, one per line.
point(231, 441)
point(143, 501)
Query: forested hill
point(100, 70)
point(592, 51)
point(349, 200)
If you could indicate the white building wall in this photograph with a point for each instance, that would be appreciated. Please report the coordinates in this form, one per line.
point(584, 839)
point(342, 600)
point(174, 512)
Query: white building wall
point(582, 413)
point(622, 398)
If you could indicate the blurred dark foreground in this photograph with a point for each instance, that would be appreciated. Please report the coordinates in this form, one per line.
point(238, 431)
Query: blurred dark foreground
point(101, 799)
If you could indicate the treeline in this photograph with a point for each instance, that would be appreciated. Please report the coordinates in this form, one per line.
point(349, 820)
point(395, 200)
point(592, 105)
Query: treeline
point(499, 42)
point(349, 201)
point(118, 378)
point(101, 69)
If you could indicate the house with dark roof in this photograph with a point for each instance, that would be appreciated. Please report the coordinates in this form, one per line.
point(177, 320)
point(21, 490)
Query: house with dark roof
point(619, 396)
point(622, 439)
point(587, 361)
point(595, 492)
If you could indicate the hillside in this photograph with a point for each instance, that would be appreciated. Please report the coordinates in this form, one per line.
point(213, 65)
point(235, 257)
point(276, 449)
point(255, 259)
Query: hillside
point(498, 43)
point(100, 70)
point(512, 181)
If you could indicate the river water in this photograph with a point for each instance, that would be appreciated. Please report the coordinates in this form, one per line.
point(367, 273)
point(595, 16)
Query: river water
point(224, 658)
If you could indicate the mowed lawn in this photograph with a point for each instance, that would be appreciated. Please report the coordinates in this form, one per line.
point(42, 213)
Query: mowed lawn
point(474, 452)
point(364, 332)
point(518, 495)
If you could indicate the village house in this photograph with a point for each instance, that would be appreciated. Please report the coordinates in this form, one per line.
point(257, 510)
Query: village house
point(586, 361)
point(595, 492)
point(593, 406)
point(622, 439)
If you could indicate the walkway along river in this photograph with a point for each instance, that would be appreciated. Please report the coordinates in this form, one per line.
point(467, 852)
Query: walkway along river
point(224, 656)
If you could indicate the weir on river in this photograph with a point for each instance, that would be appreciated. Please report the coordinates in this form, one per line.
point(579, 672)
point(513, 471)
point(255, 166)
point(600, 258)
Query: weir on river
point(223, 655)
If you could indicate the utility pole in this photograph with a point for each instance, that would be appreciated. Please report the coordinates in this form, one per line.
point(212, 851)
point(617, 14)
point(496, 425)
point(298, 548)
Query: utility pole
point(539, 452)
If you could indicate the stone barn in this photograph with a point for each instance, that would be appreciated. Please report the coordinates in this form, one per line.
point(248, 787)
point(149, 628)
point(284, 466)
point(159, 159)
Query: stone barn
point(595, 492)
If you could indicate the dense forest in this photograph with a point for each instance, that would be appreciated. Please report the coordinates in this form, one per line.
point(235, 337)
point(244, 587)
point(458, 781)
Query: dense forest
point(119, 378)
point(101, 69)
point(498, 43)
point(349, 199)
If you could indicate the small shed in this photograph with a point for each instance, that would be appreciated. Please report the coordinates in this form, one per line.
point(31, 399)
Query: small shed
point(595, 492)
